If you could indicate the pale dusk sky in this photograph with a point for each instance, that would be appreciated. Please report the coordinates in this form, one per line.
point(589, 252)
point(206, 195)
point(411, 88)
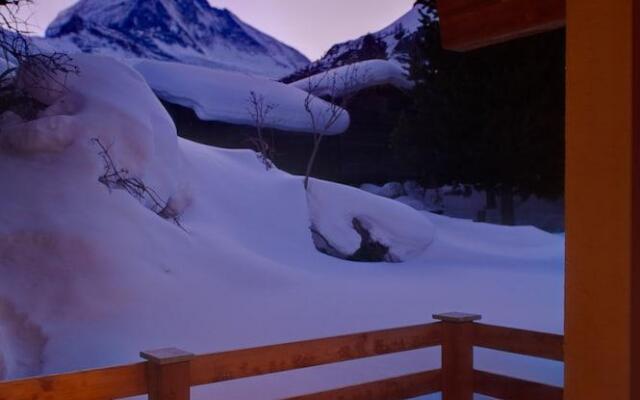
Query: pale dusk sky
point(311, 26)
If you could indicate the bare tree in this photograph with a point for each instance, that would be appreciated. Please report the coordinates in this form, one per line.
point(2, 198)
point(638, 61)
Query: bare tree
point(260, 111)
point(337, 89)
point(19, 55)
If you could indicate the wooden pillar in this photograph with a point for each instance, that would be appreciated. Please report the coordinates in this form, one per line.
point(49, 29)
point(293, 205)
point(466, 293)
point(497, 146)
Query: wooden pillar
point(457, 355)
point(635, 234)
point(168, 374)
point(599, 197)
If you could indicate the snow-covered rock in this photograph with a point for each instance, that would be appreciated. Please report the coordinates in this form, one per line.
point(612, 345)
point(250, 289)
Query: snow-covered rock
point(217, 95)
point(333, 209)
point(188, 31)
point(390, 190)
point(348, 79)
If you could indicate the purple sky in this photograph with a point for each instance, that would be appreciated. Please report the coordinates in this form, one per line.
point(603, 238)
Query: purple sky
point(311, 26)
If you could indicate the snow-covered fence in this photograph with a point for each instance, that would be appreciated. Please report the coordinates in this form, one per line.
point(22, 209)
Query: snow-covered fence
point(169, 374)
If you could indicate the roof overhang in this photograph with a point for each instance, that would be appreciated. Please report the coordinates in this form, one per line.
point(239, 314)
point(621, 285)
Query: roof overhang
point(471, 24)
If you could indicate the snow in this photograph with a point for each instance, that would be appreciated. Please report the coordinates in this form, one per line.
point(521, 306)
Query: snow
point(217, 95)
point(98, 277)
point(355, 77)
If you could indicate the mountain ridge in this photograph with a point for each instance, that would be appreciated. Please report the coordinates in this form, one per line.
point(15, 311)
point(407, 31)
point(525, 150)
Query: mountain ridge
point(188, 31)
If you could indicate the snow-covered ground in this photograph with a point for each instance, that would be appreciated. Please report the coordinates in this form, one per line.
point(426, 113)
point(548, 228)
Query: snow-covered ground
point(91, 276)
point(217, 95)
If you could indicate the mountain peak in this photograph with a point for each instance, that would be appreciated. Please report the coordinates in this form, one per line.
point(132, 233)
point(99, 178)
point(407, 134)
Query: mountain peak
point(189, 31)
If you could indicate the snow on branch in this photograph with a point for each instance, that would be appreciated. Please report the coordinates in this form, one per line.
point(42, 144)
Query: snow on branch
point(118, 178)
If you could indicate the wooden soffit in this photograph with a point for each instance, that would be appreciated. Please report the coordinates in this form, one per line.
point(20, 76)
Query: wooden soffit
point(471, 24)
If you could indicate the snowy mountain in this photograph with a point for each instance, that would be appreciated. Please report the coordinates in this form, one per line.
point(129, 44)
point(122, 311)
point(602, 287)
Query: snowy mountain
point(391, 43)
point(189, 31)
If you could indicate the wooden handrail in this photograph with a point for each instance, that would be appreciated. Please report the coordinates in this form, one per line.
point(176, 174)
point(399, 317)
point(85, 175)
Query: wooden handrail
point(170, 373)
point(98, 384)
point(246, 363)
point(519, 341)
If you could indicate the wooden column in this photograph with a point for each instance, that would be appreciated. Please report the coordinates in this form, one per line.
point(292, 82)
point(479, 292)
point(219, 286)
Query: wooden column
point(635, 280)
point(168, 374)
point(600, 200)
point(457, 355)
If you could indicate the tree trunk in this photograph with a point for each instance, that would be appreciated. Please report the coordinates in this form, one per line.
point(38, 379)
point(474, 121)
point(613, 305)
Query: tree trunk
point(312, 160)
point(492, 202)
point(507, 211)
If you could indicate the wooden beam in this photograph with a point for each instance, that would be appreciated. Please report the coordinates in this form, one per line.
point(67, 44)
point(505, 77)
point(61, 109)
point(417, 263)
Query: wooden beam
point(635, 234)
point(504, 387)
point(471, 24)
point(238, 364)
point(599, 199)
point(518, 341)
point(398, 388)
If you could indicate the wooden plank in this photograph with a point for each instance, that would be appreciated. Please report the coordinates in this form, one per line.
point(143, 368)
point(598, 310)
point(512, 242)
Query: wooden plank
point(507, 388)
point(471, 24)
point(398, 388)
point(535, 344)
point(635, 262)
point(99, 384)
point(237, 364)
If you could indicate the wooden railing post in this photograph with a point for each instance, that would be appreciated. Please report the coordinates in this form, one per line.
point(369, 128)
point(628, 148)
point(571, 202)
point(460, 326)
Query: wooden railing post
point(457, 355)
point(168, 374)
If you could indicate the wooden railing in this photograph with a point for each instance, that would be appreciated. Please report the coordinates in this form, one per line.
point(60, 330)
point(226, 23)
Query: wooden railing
point(169, 374)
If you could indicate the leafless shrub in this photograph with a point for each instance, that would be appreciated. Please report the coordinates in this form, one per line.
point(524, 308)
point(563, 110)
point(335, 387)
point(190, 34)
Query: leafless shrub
point(118, 178)
point(260, 110)
point(338, 92)
point(39, 70)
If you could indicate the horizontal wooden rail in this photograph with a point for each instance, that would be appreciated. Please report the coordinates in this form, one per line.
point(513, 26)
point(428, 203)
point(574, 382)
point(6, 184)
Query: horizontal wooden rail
point(398, 388)
point(535, 344)
point(238, 364)
point(99, 384)
point(507, 388)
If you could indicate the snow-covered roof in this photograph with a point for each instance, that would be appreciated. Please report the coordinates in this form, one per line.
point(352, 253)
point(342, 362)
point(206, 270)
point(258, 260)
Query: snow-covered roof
point(217, 95)
point(355, 77)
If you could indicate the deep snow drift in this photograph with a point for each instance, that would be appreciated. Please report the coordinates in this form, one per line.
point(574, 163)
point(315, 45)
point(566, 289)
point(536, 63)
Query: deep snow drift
point(224, 96)
point(91, 276)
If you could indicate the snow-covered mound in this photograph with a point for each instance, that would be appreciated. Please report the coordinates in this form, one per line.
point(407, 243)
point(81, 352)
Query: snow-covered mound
point(224, 96)
point(188, 31)
point(91, 275)
point(355, 77)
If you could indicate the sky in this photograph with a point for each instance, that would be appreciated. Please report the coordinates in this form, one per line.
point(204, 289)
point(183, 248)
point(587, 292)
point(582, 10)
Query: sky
point(311, 26)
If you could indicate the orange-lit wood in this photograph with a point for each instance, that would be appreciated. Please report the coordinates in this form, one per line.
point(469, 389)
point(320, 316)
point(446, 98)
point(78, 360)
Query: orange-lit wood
point(99, 384)
point(457, 355)
point(635, 282)
point(535, 344)
point(470, 24)
point(504, 387)
point(399, 388)
point(599, 199)
point(283, 357)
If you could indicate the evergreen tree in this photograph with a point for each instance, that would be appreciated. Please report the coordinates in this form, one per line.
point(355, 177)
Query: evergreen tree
point(493, 118)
